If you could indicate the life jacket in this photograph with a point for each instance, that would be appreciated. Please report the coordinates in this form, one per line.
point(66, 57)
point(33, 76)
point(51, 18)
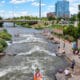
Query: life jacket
point(38, 76)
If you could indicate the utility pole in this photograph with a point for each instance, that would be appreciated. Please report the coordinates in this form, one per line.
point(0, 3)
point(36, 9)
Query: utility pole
point(13, 15)
point(40, 9)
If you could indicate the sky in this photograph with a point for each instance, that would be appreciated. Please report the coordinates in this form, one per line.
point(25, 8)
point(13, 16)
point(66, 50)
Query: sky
point(16, 8)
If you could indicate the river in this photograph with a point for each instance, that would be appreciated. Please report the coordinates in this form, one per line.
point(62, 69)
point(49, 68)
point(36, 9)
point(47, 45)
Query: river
point(30, 50)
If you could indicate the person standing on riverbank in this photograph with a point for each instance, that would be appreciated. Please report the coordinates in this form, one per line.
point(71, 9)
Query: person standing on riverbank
point(37, 75)
point(73, 64)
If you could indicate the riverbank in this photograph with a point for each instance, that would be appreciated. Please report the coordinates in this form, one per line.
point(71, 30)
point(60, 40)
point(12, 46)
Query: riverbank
point(69, 56)
point(4, 37)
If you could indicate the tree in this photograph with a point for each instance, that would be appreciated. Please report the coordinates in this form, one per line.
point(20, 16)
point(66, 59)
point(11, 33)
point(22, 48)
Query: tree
point(1, 23)
point(73, 18)
point(79, 17)
point(71, 31)
point(51, 18)
point(79, 21)
point(79, 14)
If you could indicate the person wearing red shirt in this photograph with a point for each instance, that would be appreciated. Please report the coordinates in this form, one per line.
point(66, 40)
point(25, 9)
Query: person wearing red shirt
point(37, 75)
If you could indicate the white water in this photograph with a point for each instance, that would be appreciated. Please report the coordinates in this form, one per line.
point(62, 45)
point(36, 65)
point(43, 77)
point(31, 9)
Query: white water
point(23, 68)
point(28, 38)
point(4, 72)
point(39, 49)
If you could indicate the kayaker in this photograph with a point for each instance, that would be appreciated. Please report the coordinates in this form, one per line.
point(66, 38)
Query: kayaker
point(37, 75)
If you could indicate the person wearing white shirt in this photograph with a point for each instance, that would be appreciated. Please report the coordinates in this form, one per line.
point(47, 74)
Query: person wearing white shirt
point(67, 73)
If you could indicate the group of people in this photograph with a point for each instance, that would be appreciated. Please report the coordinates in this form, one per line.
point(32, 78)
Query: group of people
point(60, 75)
point(66, 74)
point(63, 74)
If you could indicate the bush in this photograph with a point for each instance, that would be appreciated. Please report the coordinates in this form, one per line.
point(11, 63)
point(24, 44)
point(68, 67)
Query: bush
point(2, 42)
point(69, 38)
point(3, 45)
point(4, 30)
point(5, 35)
point(71, 31)
point(27, 25)
point(1, 48)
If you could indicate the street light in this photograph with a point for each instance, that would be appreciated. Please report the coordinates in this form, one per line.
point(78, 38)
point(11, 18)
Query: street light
point(40, 9)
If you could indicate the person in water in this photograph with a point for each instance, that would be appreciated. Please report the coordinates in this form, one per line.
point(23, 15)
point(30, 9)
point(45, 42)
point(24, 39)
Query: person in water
point(37, 75)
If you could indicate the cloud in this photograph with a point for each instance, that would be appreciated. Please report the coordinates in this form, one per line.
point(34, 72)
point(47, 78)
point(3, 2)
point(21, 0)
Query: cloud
point(20, 1)
point(74, 6)
point(23, 13)
point(13, 14)
point(51, 7)
point(37, 4)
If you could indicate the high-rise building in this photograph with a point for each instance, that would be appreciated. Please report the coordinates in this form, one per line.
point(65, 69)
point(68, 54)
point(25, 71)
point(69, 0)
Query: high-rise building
point(62, 9)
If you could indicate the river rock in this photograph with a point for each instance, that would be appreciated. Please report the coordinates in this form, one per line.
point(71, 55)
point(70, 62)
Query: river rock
point(2, 54)
point(60, 76)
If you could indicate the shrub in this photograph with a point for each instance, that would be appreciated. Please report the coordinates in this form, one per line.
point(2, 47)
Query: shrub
point(5, 35)
point(69, 38)
point(71, 31)
point(1, 48)
point(27, 25)
point(2, 42)
point(4, 30)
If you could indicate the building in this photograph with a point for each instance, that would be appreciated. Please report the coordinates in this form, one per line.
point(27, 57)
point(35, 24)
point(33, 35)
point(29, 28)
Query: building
point(51, 14)
point(62, 9)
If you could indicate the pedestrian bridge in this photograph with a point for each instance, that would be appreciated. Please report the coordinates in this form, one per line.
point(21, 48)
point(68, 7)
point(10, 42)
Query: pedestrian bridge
point(19, 20)
point(14, 21)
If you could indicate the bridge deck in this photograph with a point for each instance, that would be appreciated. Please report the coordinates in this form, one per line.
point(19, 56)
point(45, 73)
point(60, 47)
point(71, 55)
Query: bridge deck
point(19, 20)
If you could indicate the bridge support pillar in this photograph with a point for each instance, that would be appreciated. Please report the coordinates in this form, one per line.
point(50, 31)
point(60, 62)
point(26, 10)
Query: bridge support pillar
point(14, 24)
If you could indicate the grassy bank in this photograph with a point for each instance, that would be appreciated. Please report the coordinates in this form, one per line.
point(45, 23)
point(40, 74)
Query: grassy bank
point(34, 25)
point(4, 36)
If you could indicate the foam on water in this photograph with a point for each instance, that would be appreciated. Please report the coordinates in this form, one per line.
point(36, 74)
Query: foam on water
point(29, 38)
point(26, 35)
point(39, 49)
point(5, 71)
point(8, 43)
point(36, 65)
point(22, 67)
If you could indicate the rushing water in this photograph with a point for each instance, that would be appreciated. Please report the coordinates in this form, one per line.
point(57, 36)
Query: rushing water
point(32, 50)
